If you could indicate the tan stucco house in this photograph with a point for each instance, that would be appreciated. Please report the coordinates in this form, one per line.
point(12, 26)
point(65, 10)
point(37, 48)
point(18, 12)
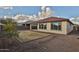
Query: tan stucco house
point(53, 25)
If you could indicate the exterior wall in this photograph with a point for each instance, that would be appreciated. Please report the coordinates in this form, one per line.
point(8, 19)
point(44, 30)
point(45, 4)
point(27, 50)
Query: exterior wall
point(66, 28)
point(69, 27)
point(62, 31)
point(30, 27)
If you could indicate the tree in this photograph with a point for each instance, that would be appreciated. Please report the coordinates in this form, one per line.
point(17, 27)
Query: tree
point(10, 28)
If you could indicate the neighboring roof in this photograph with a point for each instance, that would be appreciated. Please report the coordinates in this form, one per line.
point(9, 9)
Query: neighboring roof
point(77, 23)
point(51, 19)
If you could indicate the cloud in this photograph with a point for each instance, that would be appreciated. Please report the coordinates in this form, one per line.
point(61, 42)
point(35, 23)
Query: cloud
point(75, 20)
point(6, 7)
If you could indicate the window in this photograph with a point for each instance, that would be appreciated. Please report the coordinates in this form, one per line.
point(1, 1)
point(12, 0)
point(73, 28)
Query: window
point(34, 26)
point(45, 26)
point(56, 25)
point(42, 26)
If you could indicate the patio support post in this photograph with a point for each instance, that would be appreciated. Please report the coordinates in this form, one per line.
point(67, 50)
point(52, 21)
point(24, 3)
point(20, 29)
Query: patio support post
point(30, 27)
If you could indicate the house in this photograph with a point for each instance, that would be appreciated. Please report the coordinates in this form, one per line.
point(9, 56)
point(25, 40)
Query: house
point(75, 21)
point(53, 25)
point(27, 24)
point(76, 27)
point(1, 26)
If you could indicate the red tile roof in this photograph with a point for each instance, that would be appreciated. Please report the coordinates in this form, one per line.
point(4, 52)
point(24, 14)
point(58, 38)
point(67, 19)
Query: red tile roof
point(51, 19)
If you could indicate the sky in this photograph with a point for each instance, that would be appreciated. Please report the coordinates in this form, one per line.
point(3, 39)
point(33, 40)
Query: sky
point(62, 11)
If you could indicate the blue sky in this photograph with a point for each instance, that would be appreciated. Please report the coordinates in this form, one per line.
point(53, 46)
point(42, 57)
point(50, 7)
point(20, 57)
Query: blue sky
point(64, 11)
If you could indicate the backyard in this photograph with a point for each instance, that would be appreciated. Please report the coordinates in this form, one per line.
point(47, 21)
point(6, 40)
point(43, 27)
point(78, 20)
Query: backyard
point(31, 41)
point(51, 43)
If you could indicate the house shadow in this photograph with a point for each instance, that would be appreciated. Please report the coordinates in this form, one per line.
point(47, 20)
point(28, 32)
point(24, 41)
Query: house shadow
point(74, 32)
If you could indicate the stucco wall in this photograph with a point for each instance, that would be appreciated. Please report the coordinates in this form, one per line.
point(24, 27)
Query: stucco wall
point(64, 30)
point(69, 27)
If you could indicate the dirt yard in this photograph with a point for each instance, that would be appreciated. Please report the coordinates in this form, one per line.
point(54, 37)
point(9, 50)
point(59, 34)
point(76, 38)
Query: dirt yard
point(30, 35)
point(43, 42)
point(53, 43)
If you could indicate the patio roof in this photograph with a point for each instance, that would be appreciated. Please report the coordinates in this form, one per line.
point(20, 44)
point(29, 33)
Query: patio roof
point(29, 22)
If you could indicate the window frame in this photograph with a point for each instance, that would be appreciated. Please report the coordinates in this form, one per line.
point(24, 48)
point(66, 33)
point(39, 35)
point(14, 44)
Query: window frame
point(43, 26)
point(54, 27)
